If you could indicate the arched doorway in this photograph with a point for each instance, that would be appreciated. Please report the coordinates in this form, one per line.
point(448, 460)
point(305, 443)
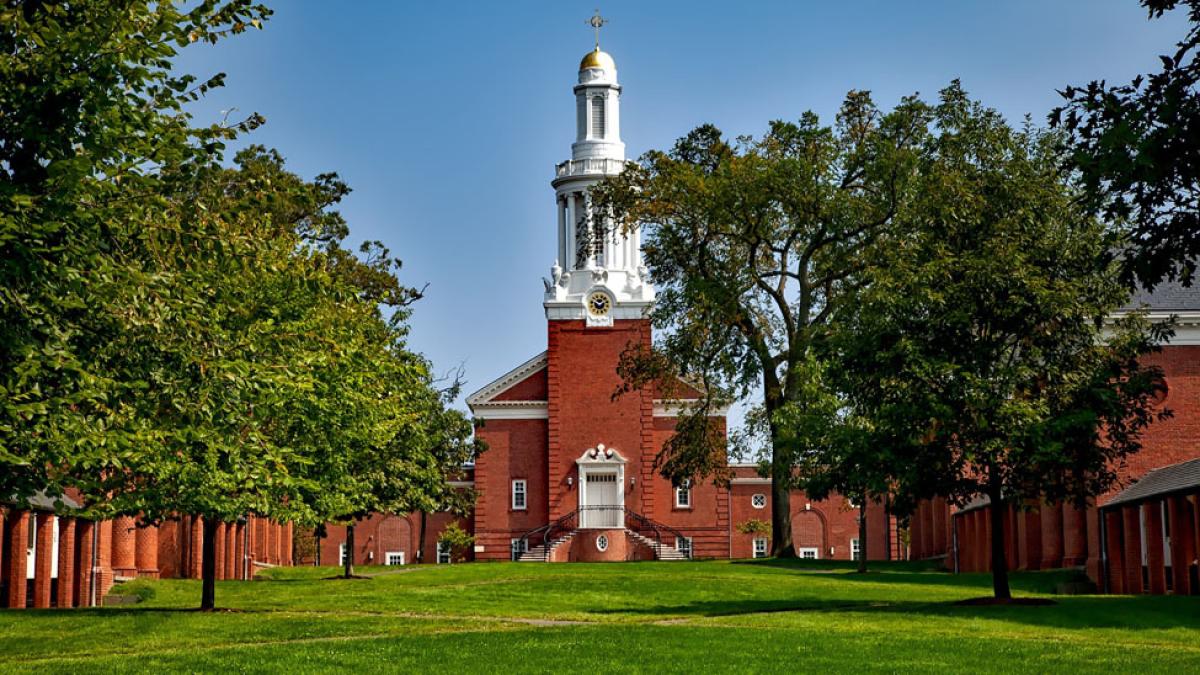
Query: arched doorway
point(808, 534)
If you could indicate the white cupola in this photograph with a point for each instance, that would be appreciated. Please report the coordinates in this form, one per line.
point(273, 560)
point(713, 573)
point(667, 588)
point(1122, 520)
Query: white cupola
point(598, 275)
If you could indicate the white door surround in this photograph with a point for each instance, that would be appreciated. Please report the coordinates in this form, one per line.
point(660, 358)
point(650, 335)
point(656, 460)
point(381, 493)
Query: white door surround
point(601, 488)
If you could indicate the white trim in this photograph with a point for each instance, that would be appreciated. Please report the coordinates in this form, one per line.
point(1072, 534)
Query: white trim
point(342, 554)
point(754, 498)
point(755, 546)
point(461, 483)
point(523, 492)
point(517, 546)
point(442, 549)
point(673, 407)
point(855, 549)
point(387, 557)
point(757, 480)
point(688, 545)
point(599, 460)
point(680, 489)
point(1187, 325)
point(502, 383)
point(511, 410)
point(816, 552)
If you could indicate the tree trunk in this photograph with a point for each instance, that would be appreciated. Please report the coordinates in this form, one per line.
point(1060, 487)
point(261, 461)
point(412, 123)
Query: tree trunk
point(999, 555)
point(208, 566)
point(862, 534)
point(348, 565)
point(781, 510)
point(421, 539)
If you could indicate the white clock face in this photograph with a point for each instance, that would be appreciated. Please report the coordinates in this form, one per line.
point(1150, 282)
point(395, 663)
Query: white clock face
point(598, 304)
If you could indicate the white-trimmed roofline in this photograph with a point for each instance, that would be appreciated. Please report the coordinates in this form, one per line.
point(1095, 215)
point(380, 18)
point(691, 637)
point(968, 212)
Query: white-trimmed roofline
point(502, 383)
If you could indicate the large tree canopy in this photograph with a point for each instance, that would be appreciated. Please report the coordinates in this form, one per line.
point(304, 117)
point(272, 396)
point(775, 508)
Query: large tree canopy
point(1137, 147)
point(754, 243)
point(981, 349)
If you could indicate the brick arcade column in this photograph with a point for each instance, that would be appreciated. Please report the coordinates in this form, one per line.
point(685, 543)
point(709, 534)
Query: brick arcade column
point(1132, 549)
point(239, 534)
point(65, 589)
point(277, 543)
point(17, 525)
point(1074, 530)
point(941, 512)
point(1155, 555)
point(1030, 530)
point(85, 562)
point(1183, 544)
point(147, 551)
point(1011, 547)
point(219, 535)
point(104, 573)
point(1051, 524)
point(289, 544)
point(230, 559)
point(1113, 526)
point(43, 560)
point(196, 548)
point(124, 547)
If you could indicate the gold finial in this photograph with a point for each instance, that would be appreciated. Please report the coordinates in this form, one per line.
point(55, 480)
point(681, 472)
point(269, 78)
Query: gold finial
point(597, 22)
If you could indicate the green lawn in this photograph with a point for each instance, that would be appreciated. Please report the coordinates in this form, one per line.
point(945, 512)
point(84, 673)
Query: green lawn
point(700, 617)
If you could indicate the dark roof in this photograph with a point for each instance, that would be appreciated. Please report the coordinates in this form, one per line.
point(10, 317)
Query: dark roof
point(1162, 481)
point(41, 502)
point(1168, 296)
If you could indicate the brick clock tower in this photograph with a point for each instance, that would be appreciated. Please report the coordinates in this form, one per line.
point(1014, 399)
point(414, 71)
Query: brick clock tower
point(569, 471)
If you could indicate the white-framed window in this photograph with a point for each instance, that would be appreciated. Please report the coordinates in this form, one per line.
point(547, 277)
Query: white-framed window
point(855, 549)
point(683, 495)
point(518, 546)
point(684, 545)
point(760, 547)
point(758, 501)
point(443, 553)
point(810, 554)
point(519, 494)
point(602, 543)
point(342, 555)
point(393, 558)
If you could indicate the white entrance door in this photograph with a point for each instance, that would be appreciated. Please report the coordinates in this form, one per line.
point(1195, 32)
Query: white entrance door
point(602, 501)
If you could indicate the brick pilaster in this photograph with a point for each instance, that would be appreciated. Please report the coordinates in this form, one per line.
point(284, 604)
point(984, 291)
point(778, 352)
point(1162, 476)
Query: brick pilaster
point(43, 559)
point(17, 527)
point(65, 596)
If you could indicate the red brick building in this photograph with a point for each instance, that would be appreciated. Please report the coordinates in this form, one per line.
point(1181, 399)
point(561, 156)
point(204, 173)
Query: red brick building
point(1143, 535)
point(49, 560)
point(569, 471)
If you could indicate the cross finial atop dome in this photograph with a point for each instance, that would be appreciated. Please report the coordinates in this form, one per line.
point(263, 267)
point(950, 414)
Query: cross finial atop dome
point(597, 22)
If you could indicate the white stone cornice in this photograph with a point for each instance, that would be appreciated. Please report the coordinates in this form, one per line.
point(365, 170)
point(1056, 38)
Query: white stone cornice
point(512, 410)
point(461, 483)
point(673, 408)
point(1187, 325)
point(500, 384)
point(750, 481)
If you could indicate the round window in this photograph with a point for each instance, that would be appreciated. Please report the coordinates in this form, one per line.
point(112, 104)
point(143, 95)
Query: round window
point(602, 542)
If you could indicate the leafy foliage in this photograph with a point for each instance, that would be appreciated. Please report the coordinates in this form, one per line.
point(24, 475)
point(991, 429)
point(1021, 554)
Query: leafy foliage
point(458, 540)
point(1137, 147)
point(754, 244)
point(977, 355)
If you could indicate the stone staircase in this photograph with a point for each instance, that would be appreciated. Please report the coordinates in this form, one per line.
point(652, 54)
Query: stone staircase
point(662, 551)
point(542, 553)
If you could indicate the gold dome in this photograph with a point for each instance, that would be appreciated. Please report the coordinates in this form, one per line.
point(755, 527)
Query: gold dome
point(598, 59)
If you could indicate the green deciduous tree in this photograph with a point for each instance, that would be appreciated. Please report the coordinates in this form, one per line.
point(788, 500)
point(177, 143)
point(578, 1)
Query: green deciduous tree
point(978, 349)
point(754, 244)
point(1137, 147)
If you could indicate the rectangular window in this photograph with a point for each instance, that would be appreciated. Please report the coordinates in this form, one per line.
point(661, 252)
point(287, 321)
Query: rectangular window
point(519, 546)
point(518, 495)
point(342, 555)
point(393, 558)
point(443, 553)
point(855, 549)
point(809, 554)
point(760, 547)
point(684, 545)
point(683, 495)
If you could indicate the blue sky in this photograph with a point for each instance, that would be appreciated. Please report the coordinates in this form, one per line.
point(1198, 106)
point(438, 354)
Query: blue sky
point(447, 118)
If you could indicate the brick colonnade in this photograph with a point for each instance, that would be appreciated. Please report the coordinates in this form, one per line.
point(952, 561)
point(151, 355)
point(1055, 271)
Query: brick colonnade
point(1146, 547)
point(58, 561)
point(929, 532)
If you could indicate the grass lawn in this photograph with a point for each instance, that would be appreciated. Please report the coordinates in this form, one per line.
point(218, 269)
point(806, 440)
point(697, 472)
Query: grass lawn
point(737, 616)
